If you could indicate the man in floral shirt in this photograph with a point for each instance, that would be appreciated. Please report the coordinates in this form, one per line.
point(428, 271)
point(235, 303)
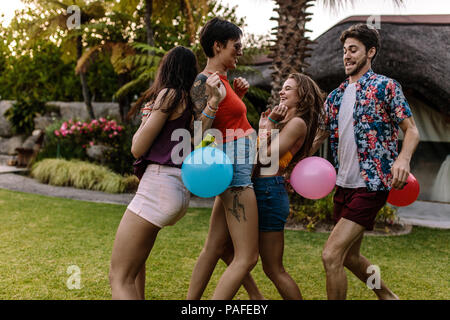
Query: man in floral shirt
point(362, 119)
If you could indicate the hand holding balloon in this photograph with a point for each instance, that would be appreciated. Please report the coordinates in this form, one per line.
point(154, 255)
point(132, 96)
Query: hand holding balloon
point(405, 196)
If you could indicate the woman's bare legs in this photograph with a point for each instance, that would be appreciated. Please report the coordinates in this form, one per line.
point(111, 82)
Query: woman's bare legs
point(242, 221)
point(271, 247)
point(140, 283)
point(134, 240)
point(215, 244)
point(218, 245)
point(248, 282)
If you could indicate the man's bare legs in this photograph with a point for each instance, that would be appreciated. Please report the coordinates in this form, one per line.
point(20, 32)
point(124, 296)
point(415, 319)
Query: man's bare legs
point(358, 264)
point(342, 248)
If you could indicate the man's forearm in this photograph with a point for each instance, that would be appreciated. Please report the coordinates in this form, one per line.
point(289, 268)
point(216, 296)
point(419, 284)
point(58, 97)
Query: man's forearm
point(318, 141)
point(410, 142)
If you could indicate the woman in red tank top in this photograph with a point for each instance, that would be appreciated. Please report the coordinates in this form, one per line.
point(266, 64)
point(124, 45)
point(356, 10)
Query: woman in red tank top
point(233, 231)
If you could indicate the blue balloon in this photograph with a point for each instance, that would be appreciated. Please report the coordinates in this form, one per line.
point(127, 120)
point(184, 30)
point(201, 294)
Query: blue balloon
point(207, 172)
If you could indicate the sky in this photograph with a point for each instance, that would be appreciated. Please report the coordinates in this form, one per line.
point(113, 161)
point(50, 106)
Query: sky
point(258, 12)
point(8, 7)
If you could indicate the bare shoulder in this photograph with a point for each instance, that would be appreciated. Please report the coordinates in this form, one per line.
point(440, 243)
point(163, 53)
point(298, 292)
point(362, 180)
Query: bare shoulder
point(297, 124)
point(164, 98)
point(165, 93)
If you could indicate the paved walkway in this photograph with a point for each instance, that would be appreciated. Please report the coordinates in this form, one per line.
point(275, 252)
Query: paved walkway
point(21, 183)
point(9, 169)
point(420, 213)
point(426, 213)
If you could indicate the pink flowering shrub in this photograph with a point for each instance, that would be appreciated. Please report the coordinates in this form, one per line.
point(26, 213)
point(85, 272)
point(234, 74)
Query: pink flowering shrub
point(101, 131)
point(71, 140)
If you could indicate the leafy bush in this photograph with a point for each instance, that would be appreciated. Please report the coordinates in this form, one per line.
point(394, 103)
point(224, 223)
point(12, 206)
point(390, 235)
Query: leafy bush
point(21, 114)
point(387, 215)
point(54, 148)
point(71, 139)
point(311, 212)
point(42, 71)
point(82, 175)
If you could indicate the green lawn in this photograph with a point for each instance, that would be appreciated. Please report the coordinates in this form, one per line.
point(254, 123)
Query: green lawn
point(40, 237)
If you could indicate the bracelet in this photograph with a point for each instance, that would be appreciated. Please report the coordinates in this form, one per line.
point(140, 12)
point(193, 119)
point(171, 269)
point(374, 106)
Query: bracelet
point(211, 108)
point(208, 116)
point(274, 121)
point(146, 112)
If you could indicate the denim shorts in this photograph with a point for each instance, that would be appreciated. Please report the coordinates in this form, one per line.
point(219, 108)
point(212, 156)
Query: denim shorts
point(273, 203)
point(242, 154)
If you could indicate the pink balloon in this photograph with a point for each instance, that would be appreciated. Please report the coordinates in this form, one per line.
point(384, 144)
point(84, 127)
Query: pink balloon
point(313, 178)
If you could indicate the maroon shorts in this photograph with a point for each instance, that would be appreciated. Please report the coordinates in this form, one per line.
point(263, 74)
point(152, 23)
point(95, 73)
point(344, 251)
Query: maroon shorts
point(358, 205)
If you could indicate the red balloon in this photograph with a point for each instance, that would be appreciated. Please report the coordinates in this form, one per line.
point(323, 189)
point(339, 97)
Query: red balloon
point(405, 196)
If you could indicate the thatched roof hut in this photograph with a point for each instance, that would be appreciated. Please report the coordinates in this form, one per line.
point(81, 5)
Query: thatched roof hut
point(414, 51)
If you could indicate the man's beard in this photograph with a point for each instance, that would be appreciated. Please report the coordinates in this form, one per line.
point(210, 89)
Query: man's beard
point(359, 66)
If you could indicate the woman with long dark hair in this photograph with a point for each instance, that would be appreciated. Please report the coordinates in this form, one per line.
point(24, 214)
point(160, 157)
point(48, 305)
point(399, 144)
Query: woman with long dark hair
point(161, 199)
point(297, 118)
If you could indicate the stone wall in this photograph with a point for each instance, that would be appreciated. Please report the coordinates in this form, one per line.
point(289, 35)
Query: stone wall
point(61, 110)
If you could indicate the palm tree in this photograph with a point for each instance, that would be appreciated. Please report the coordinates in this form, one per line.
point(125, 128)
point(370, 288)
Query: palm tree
point(53, 19)
point(125, 54)
point(291, 46)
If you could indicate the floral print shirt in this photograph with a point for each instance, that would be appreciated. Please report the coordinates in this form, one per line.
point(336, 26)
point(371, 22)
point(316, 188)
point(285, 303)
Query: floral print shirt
point(379, 108)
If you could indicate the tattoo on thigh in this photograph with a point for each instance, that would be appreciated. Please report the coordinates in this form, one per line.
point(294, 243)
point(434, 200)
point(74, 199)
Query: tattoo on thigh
point(237, 205)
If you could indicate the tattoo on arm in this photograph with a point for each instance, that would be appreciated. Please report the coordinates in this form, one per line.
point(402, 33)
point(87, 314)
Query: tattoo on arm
point(237, 206)
point(198, 95)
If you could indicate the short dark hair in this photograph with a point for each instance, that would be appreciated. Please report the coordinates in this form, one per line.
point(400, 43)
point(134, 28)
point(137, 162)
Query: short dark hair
point(369, 36)
point(218, 29)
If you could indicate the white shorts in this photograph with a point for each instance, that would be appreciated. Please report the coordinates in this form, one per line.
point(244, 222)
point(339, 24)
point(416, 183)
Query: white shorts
point(161, 198)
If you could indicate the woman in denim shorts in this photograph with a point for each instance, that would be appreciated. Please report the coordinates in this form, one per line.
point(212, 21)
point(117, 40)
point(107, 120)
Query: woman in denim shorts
point(234, 218)
point(296, 120)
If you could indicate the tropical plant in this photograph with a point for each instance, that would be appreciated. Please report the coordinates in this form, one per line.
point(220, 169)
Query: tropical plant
point(176, 21)
point(49, 19)
point(21, 114)
point(173, 29)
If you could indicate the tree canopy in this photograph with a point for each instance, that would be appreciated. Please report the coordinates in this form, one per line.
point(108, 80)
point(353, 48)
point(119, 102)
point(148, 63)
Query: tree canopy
point(43, 46)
